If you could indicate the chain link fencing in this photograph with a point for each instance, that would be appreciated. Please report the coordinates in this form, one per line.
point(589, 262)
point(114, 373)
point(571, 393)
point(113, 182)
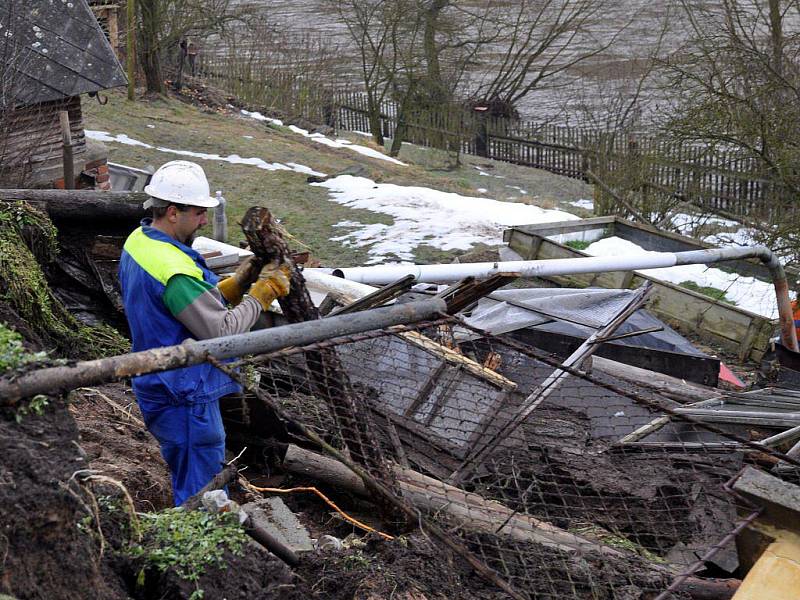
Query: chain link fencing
point(603, 491)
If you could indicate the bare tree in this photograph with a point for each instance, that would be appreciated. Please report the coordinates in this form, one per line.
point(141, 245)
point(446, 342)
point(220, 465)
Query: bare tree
point(420, 52)
point(736, 85)
point(163, 23)
point(373, 26)
point(739, 82)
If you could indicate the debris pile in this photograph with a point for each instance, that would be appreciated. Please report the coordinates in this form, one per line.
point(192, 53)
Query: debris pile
point(386, 447)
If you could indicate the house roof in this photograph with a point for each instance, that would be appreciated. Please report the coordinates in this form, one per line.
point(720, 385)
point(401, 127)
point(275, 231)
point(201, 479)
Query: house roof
point(52, 49)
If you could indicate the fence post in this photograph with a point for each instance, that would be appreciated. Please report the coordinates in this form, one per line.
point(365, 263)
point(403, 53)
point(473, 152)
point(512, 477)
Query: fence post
point(481, 132)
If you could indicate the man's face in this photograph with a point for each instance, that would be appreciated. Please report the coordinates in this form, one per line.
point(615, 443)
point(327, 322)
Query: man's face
point(188, 222)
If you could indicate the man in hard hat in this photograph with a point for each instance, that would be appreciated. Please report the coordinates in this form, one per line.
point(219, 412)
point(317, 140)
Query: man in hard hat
point(170, 295)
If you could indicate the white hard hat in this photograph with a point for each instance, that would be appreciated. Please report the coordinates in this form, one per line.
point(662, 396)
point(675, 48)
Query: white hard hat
point(181, 182)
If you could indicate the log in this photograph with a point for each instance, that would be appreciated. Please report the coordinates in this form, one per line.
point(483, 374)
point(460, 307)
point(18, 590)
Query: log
point(64, 378)
point(470, 510)
point(83, 206)
point(671, 387)
point(271, 543)
point(351, 412)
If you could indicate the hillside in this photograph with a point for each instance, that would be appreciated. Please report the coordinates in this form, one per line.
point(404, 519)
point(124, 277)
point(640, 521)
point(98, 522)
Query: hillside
point(239, 150)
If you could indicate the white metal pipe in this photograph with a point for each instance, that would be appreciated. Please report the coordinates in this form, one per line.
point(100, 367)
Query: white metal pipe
point(450, 273)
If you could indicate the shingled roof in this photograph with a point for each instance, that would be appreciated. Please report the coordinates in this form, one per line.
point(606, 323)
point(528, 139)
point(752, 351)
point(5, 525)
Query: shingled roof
point(53, 49)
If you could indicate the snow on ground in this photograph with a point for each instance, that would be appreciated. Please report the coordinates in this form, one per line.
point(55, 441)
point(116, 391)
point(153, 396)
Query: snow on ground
point(326, 141)
point(743, 236)
point(685, 223)
point(747, 292)
point(235, 159)
point(424, 216)
point(583, 203)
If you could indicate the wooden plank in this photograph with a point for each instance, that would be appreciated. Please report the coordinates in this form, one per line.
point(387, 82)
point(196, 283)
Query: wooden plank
point(454, 358)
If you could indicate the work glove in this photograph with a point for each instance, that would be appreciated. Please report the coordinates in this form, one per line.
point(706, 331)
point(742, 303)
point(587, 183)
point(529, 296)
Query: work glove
point(234, 287)
point(273, 282)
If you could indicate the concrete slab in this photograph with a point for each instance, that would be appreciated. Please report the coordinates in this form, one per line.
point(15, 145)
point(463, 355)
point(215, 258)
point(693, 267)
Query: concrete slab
point(273, 515)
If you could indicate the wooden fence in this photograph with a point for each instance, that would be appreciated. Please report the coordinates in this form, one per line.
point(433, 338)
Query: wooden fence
point(720, 181)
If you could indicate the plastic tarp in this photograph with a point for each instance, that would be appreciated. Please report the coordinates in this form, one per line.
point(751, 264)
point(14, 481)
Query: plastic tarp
point(577, 313)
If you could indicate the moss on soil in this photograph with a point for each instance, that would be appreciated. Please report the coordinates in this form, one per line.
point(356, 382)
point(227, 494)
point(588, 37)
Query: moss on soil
point(28, 238)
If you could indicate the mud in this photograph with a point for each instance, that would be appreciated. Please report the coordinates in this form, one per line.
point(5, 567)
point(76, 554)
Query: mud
point(118, 445)
point(44, 543)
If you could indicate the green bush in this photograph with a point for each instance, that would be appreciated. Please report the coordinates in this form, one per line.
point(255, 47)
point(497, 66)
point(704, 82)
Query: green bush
point(187, 541)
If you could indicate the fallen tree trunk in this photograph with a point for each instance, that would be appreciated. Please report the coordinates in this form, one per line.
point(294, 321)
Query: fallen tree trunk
point(471, 511)
point(83, 206)
point(68, 377)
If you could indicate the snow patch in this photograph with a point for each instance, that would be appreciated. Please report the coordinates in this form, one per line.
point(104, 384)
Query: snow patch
point(583, 203)
point(748, 293)
point(321, 139)
point(424, 216)
point(235, 159)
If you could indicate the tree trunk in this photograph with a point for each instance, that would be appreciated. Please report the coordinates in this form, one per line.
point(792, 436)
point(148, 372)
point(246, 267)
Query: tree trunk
point(776, 35)
point(435, 86)
point(374, 116)
point(149, 45)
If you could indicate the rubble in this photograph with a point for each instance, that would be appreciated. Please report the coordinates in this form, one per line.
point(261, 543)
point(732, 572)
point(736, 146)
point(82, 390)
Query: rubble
point(610, 484)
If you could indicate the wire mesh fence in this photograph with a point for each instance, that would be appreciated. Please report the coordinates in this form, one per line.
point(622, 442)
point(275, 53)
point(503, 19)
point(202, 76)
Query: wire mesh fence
point(603, 491)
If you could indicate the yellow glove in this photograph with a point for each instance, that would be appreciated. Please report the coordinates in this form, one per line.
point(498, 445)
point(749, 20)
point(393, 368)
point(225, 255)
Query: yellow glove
point(273, 282)
point(234, 287)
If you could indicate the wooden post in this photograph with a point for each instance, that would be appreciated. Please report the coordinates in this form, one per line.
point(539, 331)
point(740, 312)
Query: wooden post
point(131, 56)
point(66, 137)
point(112, 18)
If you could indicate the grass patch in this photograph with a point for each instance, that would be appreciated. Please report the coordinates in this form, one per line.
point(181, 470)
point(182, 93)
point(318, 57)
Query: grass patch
point(306, 210)
point(578, 244)
point(12, 353)
point(707, 290)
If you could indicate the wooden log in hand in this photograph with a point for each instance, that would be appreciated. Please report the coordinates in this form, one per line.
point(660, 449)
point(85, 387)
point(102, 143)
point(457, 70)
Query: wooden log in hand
point(352, 413)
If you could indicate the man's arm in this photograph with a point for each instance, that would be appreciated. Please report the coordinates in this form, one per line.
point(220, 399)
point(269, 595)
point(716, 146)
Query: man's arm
point(198, 306)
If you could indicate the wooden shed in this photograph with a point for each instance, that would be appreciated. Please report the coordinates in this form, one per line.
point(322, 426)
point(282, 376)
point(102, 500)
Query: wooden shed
point(52, 52)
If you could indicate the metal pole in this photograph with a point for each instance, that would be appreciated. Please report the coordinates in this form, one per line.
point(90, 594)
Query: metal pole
point(380, 275)
point(61, 379)
point(66, 154)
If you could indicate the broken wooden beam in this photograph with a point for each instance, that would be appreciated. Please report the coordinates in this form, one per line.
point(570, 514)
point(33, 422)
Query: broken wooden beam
point(463, 296)
point(378, 297)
